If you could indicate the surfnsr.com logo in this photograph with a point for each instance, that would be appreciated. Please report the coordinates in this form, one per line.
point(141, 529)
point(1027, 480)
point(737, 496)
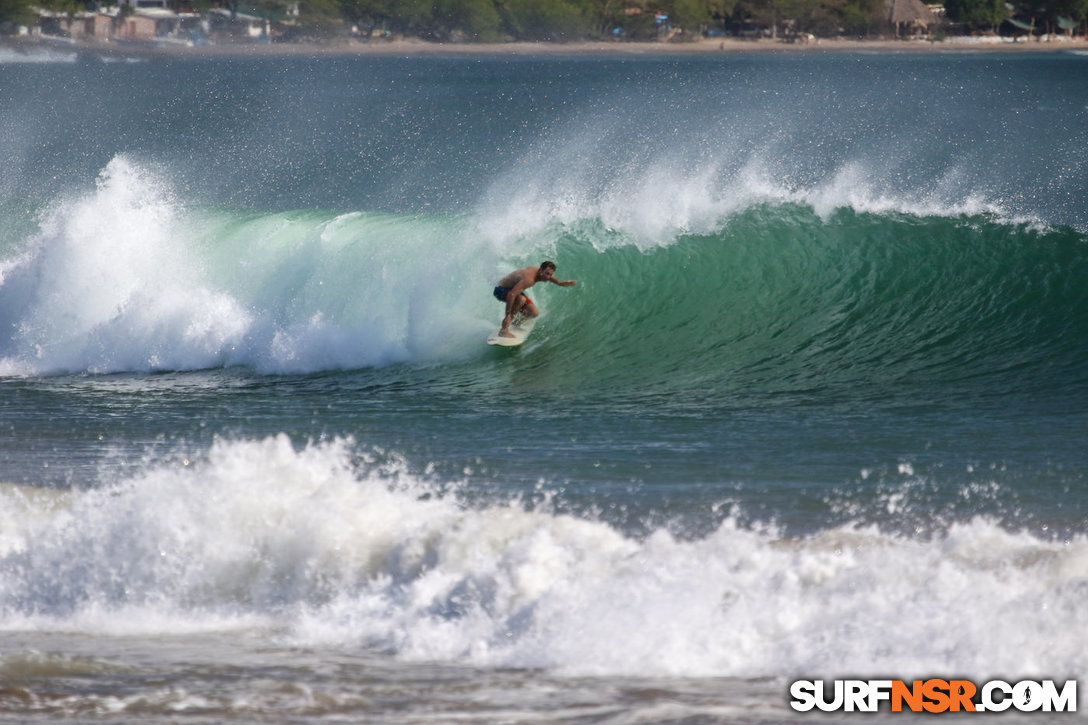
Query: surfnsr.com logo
point(933, 695)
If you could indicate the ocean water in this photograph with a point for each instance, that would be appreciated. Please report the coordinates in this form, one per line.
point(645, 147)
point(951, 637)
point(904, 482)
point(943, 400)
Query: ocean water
point(817, 406)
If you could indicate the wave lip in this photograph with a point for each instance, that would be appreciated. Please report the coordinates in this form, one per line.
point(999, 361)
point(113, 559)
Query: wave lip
point(335, 546)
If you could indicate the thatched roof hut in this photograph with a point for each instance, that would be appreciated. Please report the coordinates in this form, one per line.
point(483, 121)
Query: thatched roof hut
point(911, 13)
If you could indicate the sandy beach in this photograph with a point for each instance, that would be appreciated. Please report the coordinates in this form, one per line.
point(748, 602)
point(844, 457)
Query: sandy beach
point(706, 46)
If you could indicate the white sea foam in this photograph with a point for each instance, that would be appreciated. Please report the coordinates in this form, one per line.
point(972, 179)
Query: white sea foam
point(338, 548)
point(108, 285)
point(127, 278)
point(36, 55)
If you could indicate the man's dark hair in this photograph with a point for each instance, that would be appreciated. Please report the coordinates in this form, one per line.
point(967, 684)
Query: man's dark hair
point(547, 263)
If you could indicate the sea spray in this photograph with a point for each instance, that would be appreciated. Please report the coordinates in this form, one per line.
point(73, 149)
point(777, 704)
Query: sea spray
point(109, 284)
point(128, 278)
point(332, 545)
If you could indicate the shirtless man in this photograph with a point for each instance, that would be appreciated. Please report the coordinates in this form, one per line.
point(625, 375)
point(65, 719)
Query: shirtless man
point(511, 290)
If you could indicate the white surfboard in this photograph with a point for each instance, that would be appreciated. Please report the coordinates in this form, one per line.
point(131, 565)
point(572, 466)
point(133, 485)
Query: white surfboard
point(519, 328)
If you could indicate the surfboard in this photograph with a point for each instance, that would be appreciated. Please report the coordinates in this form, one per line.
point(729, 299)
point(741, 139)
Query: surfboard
point(519, 328)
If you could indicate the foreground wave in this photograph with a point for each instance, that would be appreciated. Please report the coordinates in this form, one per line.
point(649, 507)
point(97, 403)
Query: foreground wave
point(328, 545)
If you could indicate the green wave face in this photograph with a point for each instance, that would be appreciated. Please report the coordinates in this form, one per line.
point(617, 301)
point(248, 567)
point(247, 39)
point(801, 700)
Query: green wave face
point(780, 301)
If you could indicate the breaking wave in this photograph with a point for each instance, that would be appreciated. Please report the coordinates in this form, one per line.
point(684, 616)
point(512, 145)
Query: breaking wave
point(783, 293)
point(329, 544)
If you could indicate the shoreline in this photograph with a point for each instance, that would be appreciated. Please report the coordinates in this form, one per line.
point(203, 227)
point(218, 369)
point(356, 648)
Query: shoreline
point(405, 47)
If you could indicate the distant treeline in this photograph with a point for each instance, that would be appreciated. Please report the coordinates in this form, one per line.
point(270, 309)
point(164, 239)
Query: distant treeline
point(567, 20)
point(570, 20)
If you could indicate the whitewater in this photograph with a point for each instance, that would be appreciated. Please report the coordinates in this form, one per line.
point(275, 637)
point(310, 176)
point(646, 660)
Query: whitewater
point(815, 408)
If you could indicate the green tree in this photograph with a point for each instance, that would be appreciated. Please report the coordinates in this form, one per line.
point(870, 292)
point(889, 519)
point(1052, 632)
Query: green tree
point(407, 17)
point(367, 14)
point(691, 15)
point(976, 14)
point(721, 11)
point(412, 17)
point(775, 13)
point(859, 17)
point(547, 20)
point(1074, 9)
point(17, 12)
point(68, 7)
point(605, 15)
point(819, 17)
point(316, 18)
point(475, 20)
point(1045, 13)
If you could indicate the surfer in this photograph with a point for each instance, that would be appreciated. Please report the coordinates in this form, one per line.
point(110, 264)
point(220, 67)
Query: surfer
point(511, 290)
